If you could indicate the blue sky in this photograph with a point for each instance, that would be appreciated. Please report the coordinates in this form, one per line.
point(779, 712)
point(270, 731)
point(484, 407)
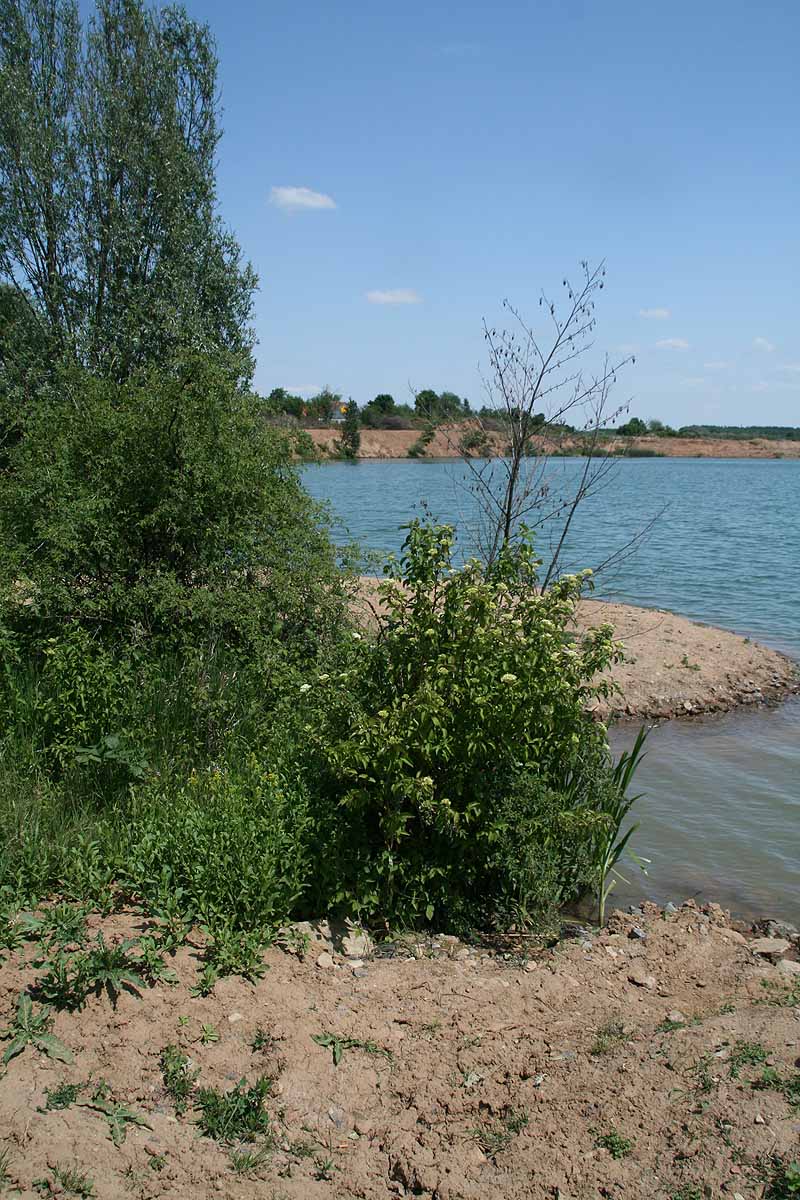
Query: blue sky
point(453, 155)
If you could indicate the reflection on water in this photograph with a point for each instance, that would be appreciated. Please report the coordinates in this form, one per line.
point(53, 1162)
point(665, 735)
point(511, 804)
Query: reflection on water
point(721, 814)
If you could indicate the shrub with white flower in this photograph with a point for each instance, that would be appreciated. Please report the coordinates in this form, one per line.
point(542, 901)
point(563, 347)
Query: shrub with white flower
point(472, 682)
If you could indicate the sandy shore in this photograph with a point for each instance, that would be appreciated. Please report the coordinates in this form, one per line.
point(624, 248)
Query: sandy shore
point(396, 443)
point(625, 1063)
point(673, 666)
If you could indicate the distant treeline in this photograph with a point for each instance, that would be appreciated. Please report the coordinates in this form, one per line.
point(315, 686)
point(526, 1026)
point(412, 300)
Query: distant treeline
point(636, 427)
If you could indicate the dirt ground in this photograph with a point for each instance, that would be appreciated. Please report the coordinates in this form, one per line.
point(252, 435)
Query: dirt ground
point(395, 443)
point(673, 666)
point(624, 1064)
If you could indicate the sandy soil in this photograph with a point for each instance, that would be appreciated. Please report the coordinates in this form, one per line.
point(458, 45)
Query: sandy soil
point(395, 443)
point(470, 1075)
point(673, 666)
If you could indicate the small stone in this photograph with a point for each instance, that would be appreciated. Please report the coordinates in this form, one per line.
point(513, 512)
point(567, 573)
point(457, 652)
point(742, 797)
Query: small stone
point(360, 973)
point(461, 954)
point(787, 966)
point(336, 1115)
point(325, 960)
point(530, 966)
point(638, 975)
point(669, 908)
point(234, 1017)
point(562, 1056)
point(758, 1119)
point(363, 1128)
point(676, 1017)
point(356, 943)
point(738, 1196)
point(770, 947)
point(538, 1080)
point(637, 934)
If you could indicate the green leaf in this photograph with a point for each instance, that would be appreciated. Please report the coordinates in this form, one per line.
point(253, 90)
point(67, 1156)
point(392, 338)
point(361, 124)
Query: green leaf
point(50, 1045)
point(14, 1048)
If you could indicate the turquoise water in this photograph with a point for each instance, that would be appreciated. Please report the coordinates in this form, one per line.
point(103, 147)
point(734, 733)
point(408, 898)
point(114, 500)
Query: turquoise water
point(721, 815)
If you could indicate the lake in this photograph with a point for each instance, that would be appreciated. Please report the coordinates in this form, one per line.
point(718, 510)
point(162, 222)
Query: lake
point(721, 814)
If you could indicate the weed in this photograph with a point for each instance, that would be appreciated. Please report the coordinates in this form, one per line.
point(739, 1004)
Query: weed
point(324, 1169)
point(338, 1045)
point(237, 952)
point(261, 1040)
point(782, 995)
point(205, 981)
point(608, 1037)
point(301, 1149)
point(179, 1077)
point(5, 1174)
point(784, 1181)
point(667, 1026)
point(118, 1116)
point(65, 1181)
point(62, 1096)
point(706, 1082)
point(62, 925)
point(498, 1136)
point(774, 1081)
point(158, 1162)
point(235, 1116)
point(616, 1145)
point(746, 1054)
point(111, 968)
point(150, 963)
point(689, 665)
point(33, 1029)
point(246, 1162)
point(12, 936)
point(61, 986)
point(208, 1035)
point(687, 1192)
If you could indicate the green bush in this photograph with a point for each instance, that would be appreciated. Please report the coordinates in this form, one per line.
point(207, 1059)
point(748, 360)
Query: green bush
point(455, 744)
point(156, 513)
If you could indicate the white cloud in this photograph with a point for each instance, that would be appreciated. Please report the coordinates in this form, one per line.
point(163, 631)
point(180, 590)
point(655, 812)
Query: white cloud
point(655, 314)
point(717, 364)
point(395, 296)
point(299, 199)
point(761, 343)
point(793, 367)
point(672, 344)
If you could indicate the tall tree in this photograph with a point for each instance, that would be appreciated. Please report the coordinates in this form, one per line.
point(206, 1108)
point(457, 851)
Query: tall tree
point(109, 231)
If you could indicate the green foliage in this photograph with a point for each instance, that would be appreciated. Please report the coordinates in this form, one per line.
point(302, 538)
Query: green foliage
point(609, 845)
point(237, 952)
point(495, 1137)
point(108, 145)
point(608, 1037)
point(350, 441)
point(237, 1115)
point(784, 1181)
point(636, 427)
point(772, 1080)
point(179, 1077)
point(469, 781)
point(746, 1054)
point(616, 1145)
point(338, 1045)
point(444, 406)
point(155, 513)
point(65, 1181)
point(62, 1096)
point(30, 1028)
point(118, 1116)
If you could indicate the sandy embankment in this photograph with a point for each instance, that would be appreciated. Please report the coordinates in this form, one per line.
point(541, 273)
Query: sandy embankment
point(673, 666)
point(396, 443)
